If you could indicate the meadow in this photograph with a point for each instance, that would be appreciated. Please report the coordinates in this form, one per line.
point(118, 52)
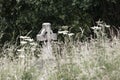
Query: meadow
point(96, 59)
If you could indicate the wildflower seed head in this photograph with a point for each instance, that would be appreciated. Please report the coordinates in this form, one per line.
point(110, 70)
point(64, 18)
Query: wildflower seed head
point(70, 34)
point(29, 40)
point(23, 42)
point(33, 44)
point(24, 37)
point(96, 28)
point(107, 26)
point(63, 32)
point(20, 50)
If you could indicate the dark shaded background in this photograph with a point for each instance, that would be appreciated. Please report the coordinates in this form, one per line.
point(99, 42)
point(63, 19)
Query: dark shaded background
point(18, 17)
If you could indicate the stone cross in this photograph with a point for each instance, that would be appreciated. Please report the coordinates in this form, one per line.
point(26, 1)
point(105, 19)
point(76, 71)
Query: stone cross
point(46, 35)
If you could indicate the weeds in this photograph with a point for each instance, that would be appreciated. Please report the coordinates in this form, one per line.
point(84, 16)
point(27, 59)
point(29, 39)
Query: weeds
point(93, 60)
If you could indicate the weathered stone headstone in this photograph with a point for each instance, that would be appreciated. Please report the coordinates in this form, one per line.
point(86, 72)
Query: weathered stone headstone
point(46, 35)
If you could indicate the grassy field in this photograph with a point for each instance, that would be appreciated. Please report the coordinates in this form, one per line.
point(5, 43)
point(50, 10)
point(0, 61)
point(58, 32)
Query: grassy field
point(96, 59)
point(73, 60)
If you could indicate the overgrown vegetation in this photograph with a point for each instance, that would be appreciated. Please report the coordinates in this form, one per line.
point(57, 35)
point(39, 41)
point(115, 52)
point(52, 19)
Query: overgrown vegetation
point(97, 59)
point(18, 17)
point(82, 52)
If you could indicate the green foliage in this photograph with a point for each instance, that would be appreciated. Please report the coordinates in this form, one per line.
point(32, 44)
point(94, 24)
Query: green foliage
point(18, 17)
point(93, 60)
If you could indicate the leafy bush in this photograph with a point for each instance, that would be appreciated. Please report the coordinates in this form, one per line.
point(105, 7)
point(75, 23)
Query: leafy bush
point(18, 17)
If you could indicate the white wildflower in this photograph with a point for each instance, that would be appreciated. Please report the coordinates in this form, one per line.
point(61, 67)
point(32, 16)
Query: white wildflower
point(60, 32)
point(24, 37)
point(107, 26)
point(20, 50)
point(23, 42)
point(21, 37)
point(30, 40)
point(70, 34)
point(63, 32)
point(33, 44)
point(96, 28)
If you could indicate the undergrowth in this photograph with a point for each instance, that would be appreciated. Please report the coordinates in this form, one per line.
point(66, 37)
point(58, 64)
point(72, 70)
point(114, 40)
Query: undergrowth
point(97, 59)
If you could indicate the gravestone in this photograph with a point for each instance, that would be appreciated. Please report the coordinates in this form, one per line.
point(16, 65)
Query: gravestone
point(46, 35)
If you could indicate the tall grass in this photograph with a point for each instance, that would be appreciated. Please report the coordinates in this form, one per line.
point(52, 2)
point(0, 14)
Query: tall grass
point(98, 59)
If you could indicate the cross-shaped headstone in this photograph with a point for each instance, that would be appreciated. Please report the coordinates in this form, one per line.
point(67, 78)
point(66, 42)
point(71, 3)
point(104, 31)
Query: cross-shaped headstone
point(46, 35)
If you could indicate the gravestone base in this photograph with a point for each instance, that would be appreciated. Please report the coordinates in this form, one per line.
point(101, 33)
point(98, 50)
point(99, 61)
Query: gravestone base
point(47, 52)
